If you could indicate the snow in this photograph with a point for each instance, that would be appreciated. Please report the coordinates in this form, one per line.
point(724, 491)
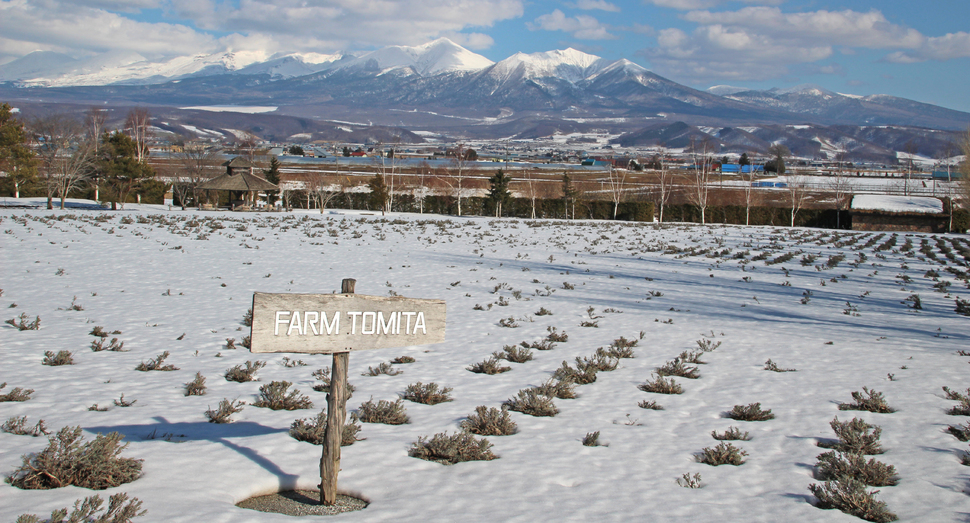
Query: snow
point(435, 57)
point(247, 109)
point(169, 273)
point(722, 90)
point(566, 64)
point(883, 202)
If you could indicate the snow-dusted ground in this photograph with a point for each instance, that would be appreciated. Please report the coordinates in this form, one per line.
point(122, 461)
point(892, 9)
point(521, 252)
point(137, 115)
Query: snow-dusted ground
point(156, 274)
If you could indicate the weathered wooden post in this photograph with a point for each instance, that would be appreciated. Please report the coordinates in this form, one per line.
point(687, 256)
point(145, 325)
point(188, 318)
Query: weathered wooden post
point(338, 324)
point(336, 414)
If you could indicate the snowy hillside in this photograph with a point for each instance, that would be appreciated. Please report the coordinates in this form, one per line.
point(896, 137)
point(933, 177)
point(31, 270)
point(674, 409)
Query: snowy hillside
point(836, 307)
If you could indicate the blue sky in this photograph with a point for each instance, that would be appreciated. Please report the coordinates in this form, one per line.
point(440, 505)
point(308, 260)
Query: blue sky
point(916, 50)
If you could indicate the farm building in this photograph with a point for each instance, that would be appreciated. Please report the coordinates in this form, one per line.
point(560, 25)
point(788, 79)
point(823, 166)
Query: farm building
point(878, 212)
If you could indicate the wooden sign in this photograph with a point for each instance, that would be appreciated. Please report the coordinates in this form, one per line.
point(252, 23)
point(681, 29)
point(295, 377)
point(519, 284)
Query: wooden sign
point(330, 323)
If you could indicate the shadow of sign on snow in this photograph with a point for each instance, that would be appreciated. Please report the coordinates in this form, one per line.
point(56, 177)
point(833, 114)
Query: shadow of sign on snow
point(198, 431)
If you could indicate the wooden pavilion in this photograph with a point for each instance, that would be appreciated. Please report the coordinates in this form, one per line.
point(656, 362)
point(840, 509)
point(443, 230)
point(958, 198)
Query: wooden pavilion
point(242, 184)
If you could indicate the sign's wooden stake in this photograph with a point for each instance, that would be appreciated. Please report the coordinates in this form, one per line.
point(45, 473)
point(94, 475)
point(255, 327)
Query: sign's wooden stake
point(336, 414)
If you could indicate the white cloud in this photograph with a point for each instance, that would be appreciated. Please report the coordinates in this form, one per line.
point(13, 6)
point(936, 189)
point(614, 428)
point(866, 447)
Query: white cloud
point(690, 5)
point(77, 29)
point(731, 45)
point(582, 26)
point(85, 27)
point(946, 47)
point(594, 5)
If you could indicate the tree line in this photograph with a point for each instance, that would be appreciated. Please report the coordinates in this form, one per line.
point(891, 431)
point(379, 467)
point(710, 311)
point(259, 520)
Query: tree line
point(58, 154)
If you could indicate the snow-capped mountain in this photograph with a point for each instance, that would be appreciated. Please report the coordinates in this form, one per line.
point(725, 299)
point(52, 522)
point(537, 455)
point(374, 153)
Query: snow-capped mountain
point(443, 84)
point(828, 106)
point(436, 57)
point(569, 65)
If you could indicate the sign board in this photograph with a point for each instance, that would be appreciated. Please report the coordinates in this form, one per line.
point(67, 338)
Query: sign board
point(329, 323)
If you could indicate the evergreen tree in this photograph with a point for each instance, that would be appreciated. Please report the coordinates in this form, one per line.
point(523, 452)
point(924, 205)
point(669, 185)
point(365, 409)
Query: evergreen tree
point(16, 159)
point(118, 162)
point(272, 176)
point(744, 160)
point(379, 193)
point(498, 194)
point(779, 151)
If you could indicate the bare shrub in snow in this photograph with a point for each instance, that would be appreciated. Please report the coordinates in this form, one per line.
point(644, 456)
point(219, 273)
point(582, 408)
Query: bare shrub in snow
point(731, 434)
point(383, 368)
point(429, 394)
point(224, 411)
point(323, 376)
point(651, 405)
point(690, 481)
point(582, 375)
point(722, 454)
point(448, 450)
point(869, 400)
point(750, 412)
point(677, 368)
point(120, 509)
point(114, 345)
point(834, 465)
point(592, 439)
point(23, 323)
point(276, 395)
point(563, 389)
point(156, 363)
point(661, 385)
point(242, 374)
point(18, 425)
point(15, 394)
point(706, 345)
point(384, 411)
point(489, 365)
point(514, 353)
point(313, 430)
point(555, 336)
point(196, 387)
point(69, 460)
point(850, 496)
point(855, 437)
point(62, 357)
point(402, 359)
point(489, 421)
point(533, 403)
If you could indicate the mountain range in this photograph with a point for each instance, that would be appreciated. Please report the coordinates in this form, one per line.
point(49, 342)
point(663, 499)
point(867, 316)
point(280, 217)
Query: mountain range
point(441, 87)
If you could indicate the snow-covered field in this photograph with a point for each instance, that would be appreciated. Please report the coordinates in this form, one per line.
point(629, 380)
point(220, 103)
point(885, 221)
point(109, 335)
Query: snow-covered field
point(156, 275)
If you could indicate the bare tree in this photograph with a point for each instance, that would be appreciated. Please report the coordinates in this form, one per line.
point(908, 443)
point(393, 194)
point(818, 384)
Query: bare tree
point(138, 127)
point(964, 186)
point(664, 179)
point(322, 190)
point(460, 164)
point(797, 190)
point(198, 164)
point(56, 134)
point(530, 188)
point(617, 177)
point(94, 122)
point(699, 191)
point(841, 186)
point(248, 147)
point(74, 169)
